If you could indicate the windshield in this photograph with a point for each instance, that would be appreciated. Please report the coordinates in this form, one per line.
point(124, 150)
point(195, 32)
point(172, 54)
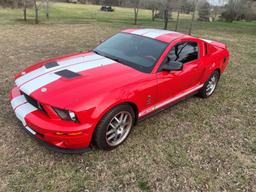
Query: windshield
point(138, 52)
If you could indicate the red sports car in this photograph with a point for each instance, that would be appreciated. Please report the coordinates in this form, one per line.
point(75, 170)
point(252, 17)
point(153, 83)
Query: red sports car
point(95, 98)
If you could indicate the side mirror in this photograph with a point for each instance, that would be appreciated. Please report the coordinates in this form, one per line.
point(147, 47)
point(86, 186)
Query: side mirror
point(173, 66)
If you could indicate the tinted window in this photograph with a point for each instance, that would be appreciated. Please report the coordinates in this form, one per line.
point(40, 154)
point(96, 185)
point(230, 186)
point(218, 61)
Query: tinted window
point(138, 52)
point(206, 48)
point(184, 52)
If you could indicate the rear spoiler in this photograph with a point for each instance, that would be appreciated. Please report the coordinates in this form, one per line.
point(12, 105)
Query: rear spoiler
point(215, 43)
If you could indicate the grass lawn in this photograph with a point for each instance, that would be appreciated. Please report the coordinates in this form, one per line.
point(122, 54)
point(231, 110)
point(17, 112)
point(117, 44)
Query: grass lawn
point(197, 145)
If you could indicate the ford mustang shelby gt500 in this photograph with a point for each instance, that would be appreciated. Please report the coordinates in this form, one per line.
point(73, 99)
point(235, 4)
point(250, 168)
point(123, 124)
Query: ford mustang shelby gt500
point(96, 97)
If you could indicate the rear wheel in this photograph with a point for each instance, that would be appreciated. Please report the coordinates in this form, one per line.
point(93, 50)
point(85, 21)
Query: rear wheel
point(210, 85)
point(114, 127)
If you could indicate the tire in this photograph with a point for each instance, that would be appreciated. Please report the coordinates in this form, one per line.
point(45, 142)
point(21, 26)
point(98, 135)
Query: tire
point(115, 125)
point(210, 85)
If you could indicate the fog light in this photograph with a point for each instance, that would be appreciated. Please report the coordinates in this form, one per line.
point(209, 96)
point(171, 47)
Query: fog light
point(59, 133)
point(75, 133)
point(70, 134)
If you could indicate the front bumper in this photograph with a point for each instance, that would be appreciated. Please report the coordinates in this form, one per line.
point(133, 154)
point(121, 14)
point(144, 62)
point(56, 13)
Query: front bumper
point(53, 147)
point(44, 129)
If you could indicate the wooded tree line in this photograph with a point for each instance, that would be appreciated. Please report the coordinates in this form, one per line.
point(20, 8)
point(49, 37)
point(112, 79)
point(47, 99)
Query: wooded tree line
point(232, 10)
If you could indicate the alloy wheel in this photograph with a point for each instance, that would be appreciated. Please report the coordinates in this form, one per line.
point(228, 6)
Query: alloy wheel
point(118, 128)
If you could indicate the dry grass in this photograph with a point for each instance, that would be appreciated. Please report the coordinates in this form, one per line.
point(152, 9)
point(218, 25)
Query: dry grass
point(197, 145)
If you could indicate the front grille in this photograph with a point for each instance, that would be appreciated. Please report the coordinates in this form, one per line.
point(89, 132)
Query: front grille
point(33, 102)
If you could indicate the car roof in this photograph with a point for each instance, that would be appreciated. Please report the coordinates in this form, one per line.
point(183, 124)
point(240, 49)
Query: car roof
point(158, 34)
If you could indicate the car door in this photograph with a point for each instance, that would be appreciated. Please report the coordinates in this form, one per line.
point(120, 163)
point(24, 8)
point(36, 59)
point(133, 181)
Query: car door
point(172, 84)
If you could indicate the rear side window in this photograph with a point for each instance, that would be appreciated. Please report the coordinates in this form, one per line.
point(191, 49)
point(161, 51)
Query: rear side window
point(206, 48)
point(184, 52)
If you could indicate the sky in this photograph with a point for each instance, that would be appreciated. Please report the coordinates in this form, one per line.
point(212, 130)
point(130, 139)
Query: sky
point(217, 2)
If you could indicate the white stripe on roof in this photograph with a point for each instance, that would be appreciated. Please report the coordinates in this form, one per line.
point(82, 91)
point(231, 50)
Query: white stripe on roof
point(152, 33)
point(207, 40)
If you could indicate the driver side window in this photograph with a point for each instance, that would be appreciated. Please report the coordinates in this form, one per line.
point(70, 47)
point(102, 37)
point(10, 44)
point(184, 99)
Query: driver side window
point(184, 52)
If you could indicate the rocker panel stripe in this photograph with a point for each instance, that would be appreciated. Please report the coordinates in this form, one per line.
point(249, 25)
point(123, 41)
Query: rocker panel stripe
point(168, 101)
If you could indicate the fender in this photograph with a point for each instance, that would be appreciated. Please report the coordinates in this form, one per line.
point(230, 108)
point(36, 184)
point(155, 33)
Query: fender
point(209, 70)
point(105, 102)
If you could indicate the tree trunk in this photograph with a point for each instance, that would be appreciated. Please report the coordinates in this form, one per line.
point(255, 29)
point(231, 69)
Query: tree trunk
point(25, 13)
point(36, 16)
point(47, 9)
point(177, 22)
point(153, 14)
point(166, 18)
point(24, 10)
point(36, 12)
point(136, 11)
point(193, 17)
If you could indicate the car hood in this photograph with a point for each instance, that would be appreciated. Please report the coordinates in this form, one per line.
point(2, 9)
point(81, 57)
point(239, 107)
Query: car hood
point(64, 81)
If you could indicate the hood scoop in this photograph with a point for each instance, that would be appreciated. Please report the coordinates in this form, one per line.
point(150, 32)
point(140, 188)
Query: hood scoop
point(67, 74)
point(51, 65)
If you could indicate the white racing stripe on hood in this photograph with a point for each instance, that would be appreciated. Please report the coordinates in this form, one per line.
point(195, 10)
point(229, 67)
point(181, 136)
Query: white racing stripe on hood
point(48, 78)
point(91, 65)
point(42, 70)
point(23, 110)
point(36, 83)
point(15, 102)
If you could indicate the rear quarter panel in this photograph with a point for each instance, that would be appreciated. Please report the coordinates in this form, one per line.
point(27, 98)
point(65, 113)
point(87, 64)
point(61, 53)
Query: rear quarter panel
point(217, 58)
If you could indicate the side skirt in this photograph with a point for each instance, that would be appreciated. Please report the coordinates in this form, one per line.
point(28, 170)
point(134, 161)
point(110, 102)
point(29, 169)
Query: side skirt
point(140, 119)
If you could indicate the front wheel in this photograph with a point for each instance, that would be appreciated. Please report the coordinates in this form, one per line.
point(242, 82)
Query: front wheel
point(210, 85)
point(114, 127)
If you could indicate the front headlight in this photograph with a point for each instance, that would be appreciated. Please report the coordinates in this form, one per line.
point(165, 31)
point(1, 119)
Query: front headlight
point(66, 115)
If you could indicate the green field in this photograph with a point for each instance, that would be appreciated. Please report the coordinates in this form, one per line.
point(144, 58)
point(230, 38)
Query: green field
point(197, 145)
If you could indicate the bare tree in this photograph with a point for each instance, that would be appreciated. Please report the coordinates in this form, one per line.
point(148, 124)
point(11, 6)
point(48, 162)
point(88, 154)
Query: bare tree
point(11, 3)
point(47, 9)
point(204, 11)
point(193, 16)
point(177, 21)
point(153, 5)
point(239, 10)
point(165, 8)
point(36, 7)
point(135, 5)
point(25, 10)
point(168, 6)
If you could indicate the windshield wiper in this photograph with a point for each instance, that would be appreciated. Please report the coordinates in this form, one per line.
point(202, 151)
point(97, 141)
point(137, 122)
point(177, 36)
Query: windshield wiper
point(107, 56)
point(115, 59)
point(96, 52)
